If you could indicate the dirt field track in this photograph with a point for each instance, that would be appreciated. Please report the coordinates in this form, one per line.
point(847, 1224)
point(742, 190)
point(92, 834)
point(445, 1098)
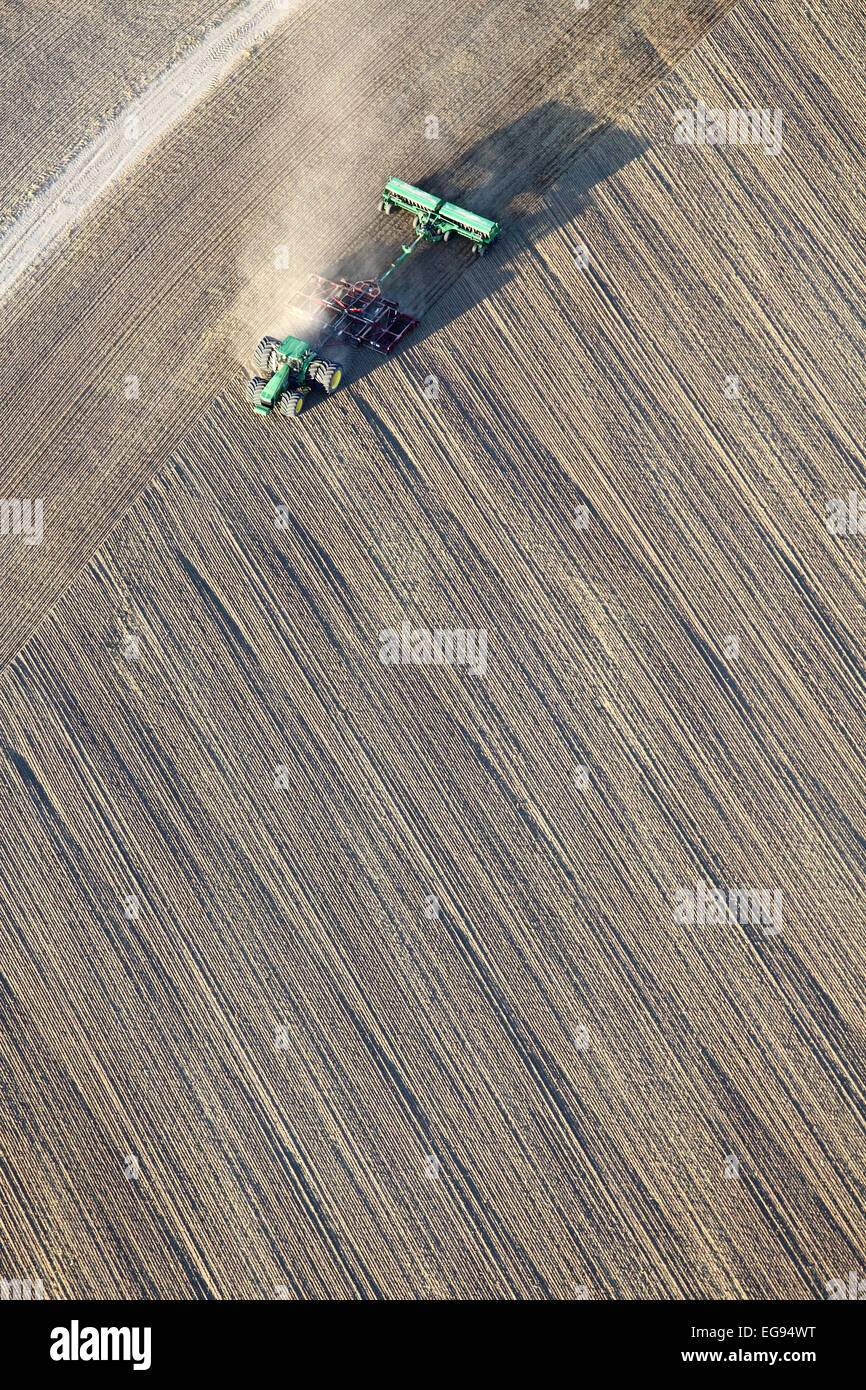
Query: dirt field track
point(67, 64)
point(290, 1031)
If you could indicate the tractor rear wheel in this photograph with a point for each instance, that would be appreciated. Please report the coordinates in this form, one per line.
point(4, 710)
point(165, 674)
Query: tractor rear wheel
point(262, 354)
point(328, 375)
point(254, 390)
point(291, 403)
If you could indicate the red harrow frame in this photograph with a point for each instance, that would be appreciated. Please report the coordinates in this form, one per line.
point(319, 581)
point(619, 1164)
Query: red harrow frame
point(355, 313)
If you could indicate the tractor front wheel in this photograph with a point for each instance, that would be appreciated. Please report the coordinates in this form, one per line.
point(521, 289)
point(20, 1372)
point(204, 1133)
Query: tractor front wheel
point(291, 404)
point(328, 375)
point(262, 355)
point(254, 390)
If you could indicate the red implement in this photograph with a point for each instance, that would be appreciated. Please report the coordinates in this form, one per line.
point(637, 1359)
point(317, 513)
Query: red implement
point(357, 313)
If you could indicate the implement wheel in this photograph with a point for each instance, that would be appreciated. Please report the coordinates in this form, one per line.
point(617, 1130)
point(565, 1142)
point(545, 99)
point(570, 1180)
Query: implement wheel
point(386, 207)
point(291, 404)
point(262, 355)
point(254, 390)
point(328, 375)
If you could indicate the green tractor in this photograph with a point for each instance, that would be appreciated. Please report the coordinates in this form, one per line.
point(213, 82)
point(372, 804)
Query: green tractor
point(293, 370)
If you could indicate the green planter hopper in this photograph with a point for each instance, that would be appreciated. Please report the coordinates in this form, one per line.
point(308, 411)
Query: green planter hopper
point(437, 220)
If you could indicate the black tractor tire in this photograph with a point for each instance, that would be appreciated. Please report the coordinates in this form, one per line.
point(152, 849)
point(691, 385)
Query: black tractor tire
point(328, 375)
point(262, 357)
point(291, 404)
point(254, 390)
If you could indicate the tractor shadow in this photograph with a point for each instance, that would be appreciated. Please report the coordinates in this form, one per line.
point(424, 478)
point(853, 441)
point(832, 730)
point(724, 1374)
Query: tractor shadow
point(512, 176)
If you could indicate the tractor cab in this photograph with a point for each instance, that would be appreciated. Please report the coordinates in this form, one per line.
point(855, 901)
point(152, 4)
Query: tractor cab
point(297, 355)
